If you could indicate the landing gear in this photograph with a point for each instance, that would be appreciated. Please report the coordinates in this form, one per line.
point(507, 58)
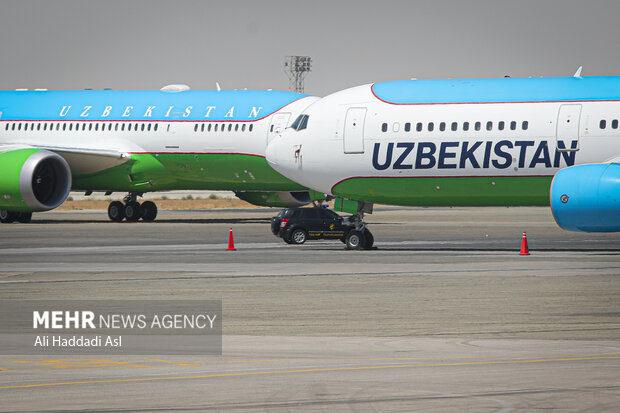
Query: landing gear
point(7, 217)
point(24, 217)
point(131, 210)
point(360, 237)
point(149, 211)
point(116, 211)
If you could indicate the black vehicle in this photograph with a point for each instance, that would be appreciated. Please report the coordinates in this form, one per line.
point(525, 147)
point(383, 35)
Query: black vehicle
point(296, 225)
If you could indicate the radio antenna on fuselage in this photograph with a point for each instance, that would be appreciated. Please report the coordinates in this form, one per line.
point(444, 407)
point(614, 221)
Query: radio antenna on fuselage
point(578, 73)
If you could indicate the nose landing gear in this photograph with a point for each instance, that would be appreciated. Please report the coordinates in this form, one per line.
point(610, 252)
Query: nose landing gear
point(360, 237)
point(131, 210)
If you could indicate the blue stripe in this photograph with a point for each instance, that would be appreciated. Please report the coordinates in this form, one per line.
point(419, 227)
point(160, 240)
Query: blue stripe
point(133, 105)
point(499, 90)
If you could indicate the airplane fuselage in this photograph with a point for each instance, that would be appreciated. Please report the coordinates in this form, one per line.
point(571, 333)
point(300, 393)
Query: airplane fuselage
point(452, 142)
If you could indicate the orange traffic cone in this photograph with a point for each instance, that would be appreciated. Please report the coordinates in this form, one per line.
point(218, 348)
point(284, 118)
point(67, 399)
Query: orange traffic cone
point(231, 242)
point(524, 248)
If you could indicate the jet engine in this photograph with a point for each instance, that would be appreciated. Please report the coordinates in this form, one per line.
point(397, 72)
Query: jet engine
point(33, 180)
point(587, 198)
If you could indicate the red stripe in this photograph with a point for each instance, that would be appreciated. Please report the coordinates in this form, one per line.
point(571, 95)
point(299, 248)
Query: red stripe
point(434, 177)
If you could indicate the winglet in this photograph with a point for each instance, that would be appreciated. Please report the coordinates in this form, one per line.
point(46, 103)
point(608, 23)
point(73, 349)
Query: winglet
point(578, 73)
point(217, 85)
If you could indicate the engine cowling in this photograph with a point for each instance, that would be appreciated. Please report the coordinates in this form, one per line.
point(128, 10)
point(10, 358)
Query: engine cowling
point(276, 199)
point(587, 198)
point(33, 180)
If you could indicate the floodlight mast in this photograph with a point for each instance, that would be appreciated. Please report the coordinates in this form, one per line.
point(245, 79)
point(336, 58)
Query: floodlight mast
point(296, 68)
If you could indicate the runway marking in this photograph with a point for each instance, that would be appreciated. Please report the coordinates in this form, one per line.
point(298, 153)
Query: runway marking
point(79, 363)
point(172, 362)
point(310, 370)
point(399, 358)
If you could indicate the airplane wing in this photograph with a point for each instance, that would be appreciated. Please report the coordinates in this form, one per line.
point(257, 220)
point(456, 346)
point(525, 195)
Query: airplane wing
point(81, 160)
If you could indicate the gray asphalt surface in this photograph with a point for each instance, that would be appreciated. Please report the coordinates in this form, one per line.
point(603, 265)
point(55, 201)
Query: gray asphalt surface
point(443, 315)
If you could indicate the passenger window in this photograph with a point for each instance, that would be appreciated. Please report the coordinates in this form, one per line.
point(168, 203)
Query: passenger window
point(196, 128)
point(384, 127)
point(465, 126)
point(524, 125)
point(202, 127)
point(602, 124)
point(243, 128)
point(39, 126)
point(136, 127)
point(431, 126)
point(142, 128)
point(442, 126)
point(251, 127)
point(418, 127)
point(156, 127)
point(407, 127)
point(149, 127)
point(58, 126)
point(477, 125)
point(271, 128)
point(209, 127)
point(229, 127)
point(64, 126)
point(71, 126)
point(236, 127)
point(122, 127)
point(513, 125)
point(454, 126)
point(614, 124)
point(500, 125)
point(489, 125)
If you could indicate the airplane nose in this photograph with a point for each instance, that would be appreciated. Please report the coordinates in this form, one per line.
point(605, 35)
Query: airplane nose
point(282, 155)
point(275, 153)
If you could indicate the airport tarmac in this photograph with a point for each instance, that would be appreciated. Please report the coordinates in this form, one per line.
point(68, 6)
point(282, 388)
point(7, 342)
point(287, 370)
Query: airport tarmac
point(443, 315)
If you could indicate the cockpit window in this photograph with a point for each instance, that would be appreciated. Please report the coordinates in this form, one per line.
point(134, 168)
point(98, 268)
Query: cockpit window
point(300, 123)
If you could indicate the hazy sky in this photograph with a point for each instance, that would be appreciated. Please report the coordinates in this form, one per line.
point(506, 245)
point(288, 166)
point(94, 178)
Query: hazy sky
point(62, 44)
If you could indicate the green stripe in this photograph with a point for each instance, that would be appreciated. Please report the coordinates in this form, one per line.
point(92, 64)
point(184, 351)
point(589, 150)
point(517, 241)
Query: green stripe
point(454, 191)
point(150, 172)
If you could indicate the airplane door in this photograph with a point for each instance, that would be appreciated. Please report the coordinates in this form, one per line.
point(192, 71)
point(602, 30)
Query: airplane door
point(567, 130)
point(172, 138)
point(279, 121)
point(354, 130)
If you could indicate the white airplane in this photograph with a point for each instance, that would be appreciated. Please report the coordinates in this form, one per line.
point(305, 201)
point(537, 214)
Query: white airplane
point(52, 142)
point(464, 142)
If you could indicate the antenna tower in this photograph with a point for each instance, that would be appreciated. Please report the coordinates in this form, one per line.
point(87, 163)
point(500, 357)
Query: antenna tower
point(296, 68)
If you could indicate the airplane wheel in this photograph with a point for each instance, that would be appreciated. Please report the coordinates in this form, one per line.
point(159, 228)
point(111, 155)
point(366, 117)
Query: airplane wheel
point(149, 211)
point(355, 240)
point(369, 240)
point(6, 217)
point(116, 211)
point(24, 217)
point(133, 212)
